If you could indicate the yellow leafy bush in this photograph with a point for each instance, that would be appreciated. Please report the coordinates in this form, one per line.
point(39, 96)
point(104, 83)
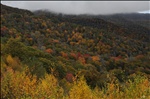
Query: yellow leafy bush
point(17, 85)
point(48, 88)
point(80, 90)
point(13, 62)
point(138, 89)
point(23, 85)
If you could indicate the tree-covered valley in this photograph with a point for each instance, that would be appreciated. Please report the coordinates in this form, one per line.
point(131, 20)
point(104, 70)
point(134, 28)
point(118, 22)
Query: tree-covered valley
point(46, 55)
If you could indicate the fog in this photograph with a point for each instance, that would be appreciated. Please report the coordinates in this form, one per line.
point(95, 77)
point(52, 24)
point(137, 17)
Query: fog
point(83, 7)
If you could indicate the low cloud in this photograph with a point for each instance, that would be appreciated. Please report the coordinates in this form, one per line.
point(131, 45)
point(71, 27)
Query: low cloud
point(83, 7)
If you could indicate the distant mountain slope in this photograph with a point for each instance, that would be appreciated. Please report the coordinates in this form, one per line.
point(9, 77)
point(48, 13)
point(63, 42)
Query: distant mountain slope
point(132, 18)
point(9, 10)
point(129, 25)
point(133, 22)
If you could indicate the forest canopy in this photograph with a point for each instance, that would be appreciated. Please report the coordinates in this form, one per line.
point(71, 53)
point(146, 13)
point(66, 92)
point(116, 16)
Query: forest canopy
point(54, 56)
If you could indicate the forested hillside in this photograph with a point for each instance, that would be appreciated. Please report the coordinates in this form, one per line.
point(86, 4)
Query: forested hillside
point(47, 55)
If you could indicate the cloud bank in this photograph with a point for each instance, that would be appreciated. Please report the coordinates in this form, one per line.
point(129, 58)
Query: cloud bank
point(83, 7)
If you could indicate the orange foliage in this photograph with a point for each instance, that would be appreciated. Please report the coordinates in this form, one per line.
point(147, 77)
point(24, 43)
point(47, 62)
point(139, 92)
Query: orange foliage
point(139, 56)
point(30, 39)
point(63, 54)
point(72, 43)
point(35, 47)
point(73, 55)
point(116, 58)
point(48, 30)
point(82, 60)
point(49, 50)
point(11, 32)
point(55, 41)
point(95, 58)
point(91, 41)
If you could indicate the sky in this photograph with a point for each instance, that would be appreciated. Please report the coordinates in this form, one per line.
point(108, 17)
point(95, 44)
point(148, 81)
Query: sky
point(84, 7)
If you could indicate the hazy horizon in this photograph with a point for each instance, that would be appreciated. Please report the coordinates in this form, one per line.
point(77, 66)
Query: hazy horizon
point(83, 7)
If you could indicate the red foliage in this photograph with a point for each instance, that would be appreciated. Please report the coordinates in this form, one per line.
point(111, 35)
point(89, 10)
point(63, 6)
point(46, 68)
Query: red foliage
point(4, 28)
point(69, 77)
point(73, 55)
point(28, 35)
point(79, 55)
point(86, 56)
point(139, 56)
point(82, 60)
point(116, 58)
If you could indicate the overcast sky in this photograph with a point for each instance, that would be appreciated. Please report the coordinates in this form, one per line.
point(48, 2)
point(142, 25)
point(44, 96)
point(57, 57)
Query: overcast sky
point(84, 7)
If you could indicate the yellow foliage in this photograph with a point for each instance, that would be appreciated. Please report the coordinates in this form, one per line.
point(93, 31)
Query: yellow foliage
point(138, 89)
point(16, 85)
point(9, 59)
point(23, 85)
point(19, 85)
point(49, 88)
point(13, 62)
point(80, 90)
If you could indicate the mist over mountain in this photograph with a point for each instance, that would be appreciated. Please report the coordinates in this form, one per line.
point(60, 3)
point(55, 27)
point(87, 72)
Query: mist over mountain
point(83, 7)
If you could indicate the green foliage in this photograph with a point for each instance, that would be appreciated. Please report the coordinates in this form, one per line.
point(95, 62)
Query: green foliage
point(15, 48)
